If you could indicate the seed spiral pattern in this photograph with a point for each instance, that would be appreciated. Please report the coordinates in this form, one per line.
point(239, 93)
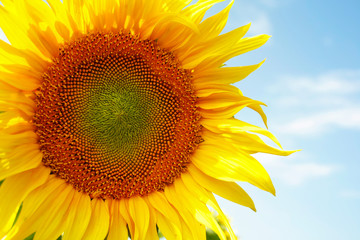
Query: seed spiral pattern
point(116, 116)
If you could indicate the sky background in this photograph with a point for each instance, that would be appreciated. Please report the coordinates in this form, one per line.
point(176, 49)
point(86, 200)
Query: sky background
point(311, 84)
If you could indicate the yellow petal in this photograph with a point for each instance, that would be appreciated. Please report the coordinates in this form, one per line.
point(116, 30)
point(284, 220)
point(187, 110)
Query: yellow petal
point(226, 163)
point(79, 217)
point(117, 229)
point(227, 190)
point(189, 223)
point(98, 226)
point(223, 75)
point(16, 99)
point(171, 31)
point(10, 140)
point(197, 207)
point(215, 47)
point(37, 215)
point(18, 126)
point(14, 190)
point(22, 14)
point(14, 32)
point(197, 11)
point(139, 212)
point(56, 221)
point(20, 81)
point(170, 230)
point(243, 140)
point(34, 200)
point(205, 196)
point(175, 6)
point(124, 211)
point(212, 26)
point(60, 13)
point(159, 202)
point(76, 15)
point(37, 11)
point(23, 110)
point(45, 41)
point(11, 55)
point(225, 100)
point(257, 108)
point(243, 46)
point(168, 218)
point(152, 232)
point(233, 125)
point(229, 111)
point(24, 158)
point(253, 144)
point(213, 88)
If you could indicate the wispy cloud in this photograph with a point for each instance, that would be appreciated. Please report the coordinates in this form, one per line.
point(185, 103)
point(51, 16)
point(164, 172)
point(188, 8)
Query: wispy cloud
point(259, 18)
point(293, 172)
point(324, 121)
point(350, 194)
point(261, 24)
point(332, 82)
point(327, 101)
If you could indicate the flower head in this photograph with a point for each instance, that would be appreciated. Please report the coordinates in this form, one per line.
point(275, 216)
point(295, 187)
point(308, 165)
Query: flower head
point(118, 115)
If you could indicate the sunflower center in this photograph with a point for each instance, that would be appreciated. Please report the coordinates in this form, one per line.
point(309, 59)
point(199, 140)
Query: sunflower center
point(116, 116)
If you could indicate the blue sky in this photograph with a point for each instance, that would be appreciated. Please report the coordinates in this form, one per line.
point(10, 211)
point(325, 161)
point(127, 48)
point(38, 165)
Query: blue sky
point(311, 84)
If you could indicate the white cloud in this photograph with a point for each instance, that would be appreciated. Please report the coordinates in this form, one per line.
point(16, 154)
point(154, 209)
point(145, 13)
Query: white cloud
point(259, 18)
point(320, 122)
point(338, 88)
point(320, 103)
point(260, 24)
point(292, 172)
point(333, 82)
point(350, 194)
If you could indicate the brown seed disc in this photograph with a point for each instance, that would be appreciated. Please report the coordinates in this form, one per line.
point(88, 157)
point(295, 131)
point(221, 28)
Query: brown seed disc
point(116, 116)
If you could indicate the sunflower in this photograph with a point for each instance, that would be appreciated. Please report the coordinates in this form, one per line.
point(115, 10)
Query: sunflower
point(117, 117)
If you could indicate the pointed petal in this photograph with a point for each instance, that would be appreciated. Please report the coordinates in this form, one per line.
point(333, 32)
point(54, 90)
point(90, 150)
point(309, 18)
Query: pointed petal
point(26, 158)
point(40, 209)
point(167, 228)
point(197, 207)
point(205, 196)
point(227, 190)
point(224, 100)
point(243, 46)
point(233, 125)
point(189, 223)
point(197, 11)
point(98, 226)
point(14, 190)
point(216, 47)
point(117, 229)
point(55, 223)
point(168, 219)
point(223, 75)
point(221, 161)
point(212, 26)
point(124, 211)
point(79, 217)
point(139, 212)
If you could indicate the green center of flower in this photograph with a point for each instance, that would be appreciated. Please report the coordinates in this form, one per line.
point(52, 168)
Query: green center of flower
point(116, 116)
